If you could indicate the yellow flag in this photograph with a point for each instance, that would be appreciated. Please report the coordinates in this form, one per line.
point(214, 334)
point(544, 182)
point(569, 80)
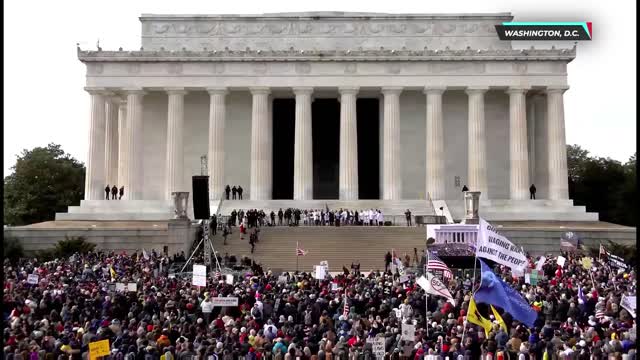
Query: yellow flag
point(499, 318)
point(474, 317)
point(113, 272)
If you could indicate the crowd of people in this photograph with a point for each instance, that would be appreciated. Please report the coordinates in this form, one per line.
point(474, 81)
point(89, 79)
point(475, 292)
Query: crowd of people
point(308, 217)
point(55, 310)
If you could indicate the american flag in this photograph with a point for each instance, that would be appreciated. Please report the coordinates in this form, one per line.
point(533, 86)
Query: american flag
point(345, 310)
point(300, 251)
point(436, 264)
point(603, 251)
point(599, 313)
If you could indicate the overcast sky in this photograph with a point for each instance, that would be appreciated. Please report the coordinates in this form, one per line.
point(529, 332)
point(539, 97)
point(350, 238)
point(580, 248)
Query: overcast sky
point(44, 100)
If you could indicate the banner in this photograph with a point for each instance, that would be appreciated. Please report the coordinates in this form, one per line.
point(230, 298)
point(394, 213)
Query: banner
point(224, 301)
point(408, 332)
point(199, 275)
point(494, 246)
point(629, 303)
point(377, 347)
point(616, 261)
point(98, 349)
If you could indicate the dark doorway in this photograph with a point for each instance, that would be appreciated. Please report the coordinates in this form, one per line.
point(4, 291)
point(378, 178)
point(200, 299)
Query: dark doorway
point(368, 114)
point(325, 114)
point(284, 114)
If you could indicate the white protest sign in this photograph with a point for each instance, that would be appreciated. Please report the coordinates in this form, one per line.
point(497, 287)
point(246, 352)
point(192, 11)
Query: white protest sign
point(494, 246)
point(199, 275)
point(325, 265)
point(334, 286)
point(517, 273)
point(33, 279)
point(408, 332)
point(629, 303)
point(377, 347)
point(527, 278)
point(282, 279)
point(120, 287)
point(320, 272)
point(561, 260)
point(540, 263)
point(404, 278)
point(224, 301)
point(229, 279)
point(132, 287)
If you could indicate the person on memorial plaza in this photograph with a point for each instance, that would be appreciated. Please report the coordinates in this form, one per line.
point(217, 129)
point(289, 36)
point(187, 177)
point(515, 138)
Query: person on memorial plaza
point(227, 190)
point(240, 190)
point(532, 192)
point(465, 188)
point(234, 191)
point(79, 300)
point(114, 193)
point(387, 261)
point(280, 215)
point(232, 218)
point(107, 190)
point(121, 192)
point(407, 214)
point(213, 224)
point(225, 234)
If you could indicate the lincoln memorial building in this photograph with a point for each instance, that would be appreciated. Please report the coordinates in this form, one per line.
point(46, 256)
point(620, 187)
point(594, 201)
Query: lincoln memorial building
point(391, 111)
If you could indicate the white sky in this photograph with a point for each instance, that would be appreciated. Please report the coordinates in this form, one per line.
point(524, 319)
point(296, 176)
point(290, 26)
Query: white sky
point(44, 100)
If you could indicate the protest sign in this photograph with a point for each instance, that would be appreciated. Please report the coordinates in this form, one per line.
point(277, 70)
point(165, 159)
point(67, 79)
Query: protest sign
point(224, 301)
point(629, 303)
point(408, 332)
point(616, 261)
point(33, 279)
point(325, 265)
point(540, 263)
point(282, 279)
point(527, 278)
point(132, 287)
point(561, 260)
point(120, 287)
point(404, 279)
point(229, 279)
point(377, 347)
point(496, 247)
point(587, 263)
point(319, 272)
point(98, 349)
point(199, 275)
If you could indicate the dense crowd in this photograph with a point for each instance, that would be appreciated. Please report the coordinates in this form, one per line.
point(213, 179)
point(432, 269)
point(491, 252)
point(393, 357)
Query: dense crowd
point(294, 316)
point(308, 217)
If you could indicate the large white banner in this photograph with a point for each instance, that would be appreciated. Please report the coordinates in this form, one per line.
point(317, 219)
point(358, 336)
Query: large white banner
point(494, 246)
point(224, 301)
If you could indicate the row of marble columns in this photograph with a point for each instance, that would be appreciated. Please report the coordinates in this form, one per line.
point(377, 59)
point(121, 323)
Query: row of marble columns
point(116, 144)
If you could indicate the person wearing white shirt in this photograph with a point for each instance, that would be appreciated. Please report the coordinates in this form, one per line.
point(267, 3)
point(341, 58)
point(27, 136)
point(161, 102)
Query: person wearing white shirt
point(207, 307)
point(380, 218)
point(372, 216)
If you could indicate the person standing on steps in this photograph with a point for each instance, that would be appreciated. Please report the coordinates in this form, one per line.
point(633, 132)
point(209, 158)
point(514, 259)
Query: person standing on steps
point(408, 216)
point(532, 191)
point(213, 224)
point(465, 188)
point(273, 218)
point(387, 261)
point(121, 192)
point(107, 190)
point(227, 190)
point(225, 233)
point(240, 190)
point(234, 191)
point(114, 193)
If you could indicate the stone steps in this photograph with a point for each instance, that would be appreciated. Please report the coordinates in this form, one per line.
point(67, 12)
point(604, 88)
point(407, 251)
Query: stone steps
point(388, 207)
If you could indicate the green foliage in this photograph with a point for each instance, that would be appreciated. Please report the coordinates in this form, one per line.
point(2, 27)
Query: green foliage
point(45, 180)
point(603, 185)
point(627, 252)
point(66, 248)
point(12, 249)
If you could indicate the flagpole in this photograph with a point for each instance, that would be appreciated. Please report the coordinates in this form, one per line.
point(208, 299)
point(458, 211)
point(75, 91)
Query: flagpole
point(426, 293)
point(473, 285)
point(297, 256)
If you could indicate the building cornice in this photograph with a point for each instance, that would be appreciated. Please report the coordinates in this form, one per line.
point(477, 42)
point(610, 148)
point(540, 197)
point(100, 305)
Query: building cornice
point(249, 55)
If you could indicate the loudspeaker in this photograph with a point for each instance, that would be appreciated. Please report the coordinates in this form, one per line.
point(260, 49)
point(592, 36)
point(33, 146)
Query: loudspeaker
point(201, 197)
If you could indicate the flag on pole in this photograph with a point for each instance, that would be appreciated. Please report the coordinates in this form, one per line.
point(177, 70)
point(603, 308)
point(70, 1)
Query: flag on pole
point(474, 317)
point(603, 251)
point(113, 273)
point(435, 263)
point(145, 255)
point(503, 325)
point(300, 251)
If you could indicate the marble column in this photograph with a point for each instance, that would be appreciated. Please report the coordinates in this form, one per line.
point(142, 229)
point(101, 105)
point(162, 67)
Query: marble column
point(174, 171)
point(111, 141)
point(95, 180)
point(303, 152)
point(123, 131)
point(477, 156)
point(348, 178)
point(557, 148)
point(134, 181)
point(518, 152)
point(216, 153)
point(435, 144)
point(392, 176)
point(261, 146)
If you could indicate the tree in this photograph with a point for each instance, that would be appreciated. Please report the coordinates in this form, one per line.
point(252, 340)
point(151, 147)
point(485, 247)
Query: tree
point(45, 180)
point(603, 185)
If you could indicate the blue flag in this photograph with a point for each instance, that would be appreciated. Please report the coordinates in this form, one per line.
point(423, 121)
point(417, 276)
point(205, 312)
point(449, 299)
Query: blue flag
point(496, 292)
